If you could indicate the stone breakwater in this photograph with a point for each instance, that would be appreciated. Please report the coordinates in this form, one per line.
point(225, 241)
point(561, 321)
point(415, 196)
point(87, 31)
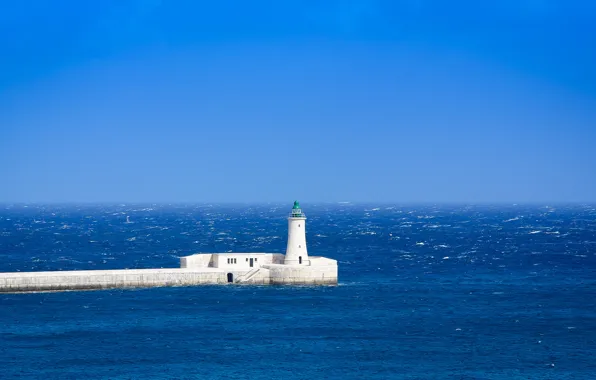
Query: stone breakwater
point(105, 279)
point(296, 267)
point(195, 270)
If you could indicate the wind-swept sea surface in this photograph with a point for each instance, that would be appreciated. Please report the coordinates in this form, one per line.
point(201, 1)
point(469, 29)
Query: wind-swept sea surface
point(429, 292)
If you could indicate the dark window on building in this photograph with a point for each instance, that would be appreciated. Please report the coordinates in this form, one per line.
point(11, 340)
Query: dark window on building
point(299, 225)
point(228, 260)
point(255, 259)
point(299, 259)
point(234, 261)
point(247, 259)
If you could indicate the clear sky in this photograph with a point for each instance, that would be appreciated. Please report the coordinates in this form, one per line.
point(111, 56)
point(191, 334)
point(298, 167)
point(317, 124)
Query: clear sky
point(247, 101)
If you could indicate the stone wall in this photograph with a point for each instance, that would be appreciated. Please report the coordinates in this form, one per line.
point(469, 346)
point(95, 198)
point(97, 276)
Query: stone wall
point(261, 277)
point(302, 275)
point(194, 271)
point(321, 261)
point(106, 279)
point(276, 258)
point(202, 260)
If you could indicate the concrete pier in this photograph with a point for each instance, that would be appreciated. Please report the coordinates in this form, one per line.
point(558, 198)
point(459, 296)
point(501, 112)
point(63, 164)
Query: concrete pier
point(267, 274)
point(296, 267)
point(106, 279)
point(199, 269)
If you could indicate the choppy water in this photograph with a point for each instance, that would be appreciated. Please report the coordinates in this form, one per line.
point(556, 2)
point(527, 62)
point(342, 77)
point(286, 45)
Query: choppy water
point(446, 292)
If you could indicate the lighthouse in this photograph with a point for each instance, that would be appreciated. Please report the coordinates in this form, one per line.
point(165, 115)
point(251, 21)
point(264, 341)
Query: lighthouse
point(296, 253)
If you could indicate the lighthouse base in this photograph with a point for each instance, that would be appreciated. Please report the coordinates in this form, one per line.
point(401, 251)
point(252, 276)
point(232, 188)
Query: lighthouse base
point(266, 268)
point(303, 275)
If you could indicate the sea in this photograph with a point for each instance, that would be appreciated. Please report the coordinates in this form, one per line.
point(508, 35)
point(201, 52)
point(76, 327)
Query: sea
point(425, 292)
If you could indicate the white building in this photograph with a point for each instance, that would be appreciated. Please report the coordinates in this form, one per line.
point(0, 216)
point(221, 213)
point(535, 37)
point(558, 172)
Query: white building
point(295, 267)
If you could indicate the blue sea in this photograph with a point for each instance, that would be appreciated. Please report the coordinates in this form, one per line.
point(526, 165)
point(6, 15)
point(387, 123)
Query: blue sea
point(425, 292)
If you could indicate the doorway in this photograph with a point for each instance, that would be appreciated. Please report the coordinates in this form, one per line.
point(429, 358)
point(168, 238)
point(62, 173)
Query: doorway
point(251, 262)
point(230, 277)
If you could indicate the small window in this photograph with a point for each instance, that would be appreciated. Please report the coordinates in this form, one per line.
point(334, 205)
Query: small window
point(228, 260)
point(299, 259)
point(255, 259)
point(247, 259)
point(299, 246)
point(299, 225)
point(234, 261)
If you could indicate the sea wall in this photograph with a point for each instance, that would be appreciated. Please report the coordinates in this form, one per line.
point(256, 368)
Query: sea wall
point(106, 279)
point(321, 271)
point(302, 275)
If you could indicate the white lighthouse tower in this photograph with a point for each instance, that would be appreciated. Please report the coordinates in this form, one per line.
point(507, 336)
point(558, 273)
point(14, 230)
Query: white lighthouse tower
point(296, 253)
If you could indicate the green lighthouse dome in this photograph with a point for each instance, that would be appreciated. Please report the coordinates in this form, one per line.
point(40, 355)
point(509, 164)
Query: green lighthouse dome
point(296, 211)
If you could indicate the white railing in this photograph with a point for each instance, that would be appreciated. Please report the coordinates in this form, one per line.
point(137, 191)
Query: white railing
point(247, 276)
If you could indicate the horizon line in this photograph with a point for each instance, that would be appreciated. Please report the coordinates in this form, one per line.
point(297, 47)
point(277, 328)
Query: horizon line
point(369, 202)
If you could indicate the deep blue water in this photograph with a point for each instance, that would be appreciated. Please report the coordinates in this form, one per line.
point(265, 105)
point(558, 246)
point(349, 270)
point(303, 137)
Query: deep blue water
point(429, 292)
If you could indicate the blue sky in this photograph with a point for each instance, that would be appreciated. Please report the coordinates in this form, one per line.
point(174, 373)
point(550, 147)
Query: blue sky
point(252, 101)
